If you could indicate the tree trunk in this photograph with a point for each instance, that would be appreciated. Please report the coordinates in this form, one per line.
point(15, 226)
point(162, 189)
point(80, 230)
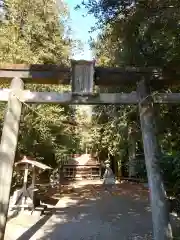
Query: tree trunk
point(159, 206)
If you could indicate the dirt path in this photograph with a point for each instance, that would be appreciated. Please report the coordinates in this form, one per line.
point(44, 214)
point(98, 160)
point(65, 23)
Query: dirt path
point(90, 213)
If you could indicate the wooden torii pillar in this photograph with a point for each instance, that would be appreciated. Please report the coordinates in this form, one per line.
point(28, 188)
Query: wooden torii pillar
point(8, 146)
point(132, 151)
point(159, 207)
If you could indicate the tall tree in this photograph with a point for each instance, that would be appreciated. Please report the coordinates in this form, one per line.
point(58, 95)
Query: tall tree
point(145, 33)
point(34, 32)
point(37, 31)
point(141, 33)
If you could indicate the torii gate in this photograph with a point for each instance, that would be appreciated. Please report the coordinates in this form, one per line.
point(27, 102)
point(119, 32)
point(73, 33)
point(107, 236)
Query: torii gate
point(84, 76)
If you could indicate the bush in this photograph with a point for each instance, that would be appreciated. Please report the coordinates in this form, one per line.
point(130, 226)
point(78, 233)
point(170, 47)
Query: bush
point(141, 169)
point(170, 167)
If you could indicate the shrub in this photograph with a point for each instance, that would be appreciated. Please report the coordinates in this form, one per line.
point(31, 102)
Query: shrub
point(170, 167)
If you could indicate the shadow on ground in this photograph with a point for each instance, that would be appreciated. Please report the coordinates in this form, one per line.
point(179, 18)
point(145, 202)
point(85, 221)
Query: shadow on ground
point(91, 212)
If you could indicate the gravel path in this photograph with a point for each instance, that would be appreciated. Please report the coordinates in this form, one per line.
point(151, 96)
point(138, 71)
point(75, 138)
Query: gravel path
point(90, 213)
point(104, 216)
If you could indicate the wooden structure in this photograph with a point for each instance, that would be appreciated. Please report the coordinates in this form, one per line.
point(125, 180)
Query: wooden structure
point(132, 151)
point(21, 197)
point(81, 167)
point(83, 75)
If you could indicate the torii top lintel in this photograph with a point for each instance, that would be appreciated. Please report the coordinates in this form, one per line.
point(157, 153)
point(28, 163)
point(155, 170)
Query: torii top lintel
point(104, 76)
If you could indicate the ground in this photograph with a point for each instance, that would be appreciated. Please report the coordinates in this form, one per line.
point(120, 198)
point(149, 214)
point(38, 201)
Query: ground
point(89, 212)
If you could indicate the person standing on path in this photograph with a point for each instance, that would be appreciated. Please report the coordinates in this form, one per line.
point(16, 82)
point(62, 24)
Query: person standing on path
point(108, 177)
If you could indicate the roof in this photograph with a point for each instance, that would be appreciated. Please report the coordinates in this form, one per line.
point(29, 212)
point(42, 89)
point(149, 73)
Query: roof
point(82, 160)
point(32, 162)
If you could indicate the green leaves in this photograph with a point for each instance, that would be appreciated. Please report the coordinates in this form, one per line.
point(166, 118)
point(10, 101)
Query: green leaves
point(170, 166)
point(32, 32)
point(140, 34)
